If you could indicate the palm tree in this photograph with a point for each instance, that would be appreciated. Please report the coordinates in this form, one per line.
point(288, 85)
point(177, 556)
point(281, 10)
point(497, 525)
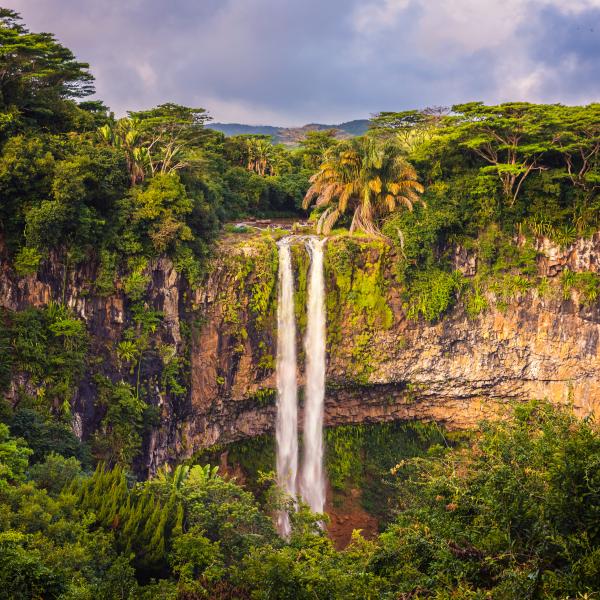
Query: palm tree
point(365, 175)
point(260, 155)
point(125, 134)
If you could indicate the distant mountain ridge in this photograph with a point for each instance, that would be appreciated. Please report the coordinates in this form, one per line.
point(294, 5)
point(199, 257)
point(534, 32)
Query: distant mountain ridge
point(292, 135)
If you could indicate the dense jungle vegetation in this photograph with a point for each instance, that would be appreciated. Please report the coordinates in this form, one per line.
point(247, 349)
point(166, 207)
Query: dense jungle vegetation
point(510, 512)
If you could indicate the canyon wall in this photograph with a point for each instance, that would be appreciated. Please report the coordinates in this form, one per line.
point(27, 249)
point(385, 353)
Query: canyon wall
point(540, 343)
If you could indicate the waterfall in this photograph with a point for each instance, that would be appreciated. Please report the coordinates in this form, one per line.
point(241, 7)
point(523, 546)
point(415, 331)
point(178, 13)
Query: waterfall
point(286, 427)
point(312, 481)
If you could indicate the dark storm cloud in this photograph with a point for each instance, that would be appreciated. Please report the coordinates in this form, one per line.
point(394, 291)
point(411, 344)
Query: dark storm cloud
point(298, 61)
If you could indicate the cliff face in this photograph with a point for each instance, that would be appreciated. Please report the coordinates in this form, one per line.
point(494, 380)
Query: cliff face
point(381, 365)
point(107, 317)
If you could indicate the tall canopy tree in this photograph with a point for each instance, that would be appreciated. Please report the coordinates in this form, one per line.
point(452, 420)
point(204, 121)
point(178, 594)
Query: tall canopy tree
point(158, 141)
point(364, 175)
point(260, 155)
point(169, 132)
point(37, 75)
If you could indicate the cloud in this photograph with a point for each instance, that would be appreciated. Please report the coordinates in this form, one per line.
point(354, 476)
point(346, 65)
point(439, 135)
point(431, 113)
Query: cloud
point(299, 61)
point(375, 16)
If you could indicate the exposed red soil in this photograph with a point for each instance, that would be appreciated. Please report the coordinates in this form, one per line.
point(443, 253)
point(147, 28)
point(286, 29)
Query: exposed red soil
point(346, 514)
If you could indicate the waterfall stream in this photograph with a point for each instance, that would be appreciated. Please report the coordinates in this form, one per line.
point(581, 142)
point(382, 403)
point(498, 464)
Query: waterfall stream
point(312, 481)
point(286, 426)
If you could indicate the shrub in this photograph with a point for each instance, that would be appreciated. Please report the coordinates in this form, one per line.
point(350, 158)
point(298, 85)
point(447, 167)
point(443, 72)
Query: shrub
point(432, 293)
point(27, 261)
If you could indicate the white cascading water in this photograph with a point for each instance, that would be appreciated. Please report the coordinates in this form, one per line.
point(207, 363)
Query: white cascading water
point(286, 427)
point(312, 481)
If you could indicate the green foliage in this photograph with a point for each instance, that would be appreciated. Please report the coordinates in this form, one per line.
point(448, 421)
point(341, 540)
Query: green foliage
point(27, 261)
point(174, 372)
point(513, 517)
point(361, 456)
point(14, 456)
point(496, 177)
point(46, 435)
point(513, 513)
point(315, 145)
point(136, 283)
point(344, 459)
point(586, 284)
point(40, 76)
point(159, 211)
point(196, 561)
point(264, 287)
point(475, 302)
point(119, 438)
point(509, 287)
point(50, 345)
point(432, 293)
point(310, 567)
point(107, 274)
point(55, 473)
point(356, 296)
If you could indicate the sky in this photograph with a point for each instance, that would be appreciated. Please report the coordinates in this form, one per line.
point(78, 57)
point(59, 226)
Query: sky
point(291, 62)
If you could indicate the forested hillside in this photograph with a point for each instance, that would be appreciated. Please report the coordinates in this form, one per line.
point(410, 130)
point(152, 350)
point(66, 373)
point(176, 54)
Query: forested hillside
point(511, 510)
point(292, 136)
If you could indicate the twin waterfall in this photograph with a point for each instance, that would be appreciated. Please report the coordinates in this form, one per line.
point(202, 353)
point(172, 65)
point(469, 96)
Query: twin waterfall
point(312, 479)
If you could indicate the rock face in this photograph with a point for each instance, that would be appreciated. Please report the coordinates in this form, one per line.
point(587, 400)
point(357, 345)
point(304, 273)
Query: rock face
point(106, 318)
point(381, 365)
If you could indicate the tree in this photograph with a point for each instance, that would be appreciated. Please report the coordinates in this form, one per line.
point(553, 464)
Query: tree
point(314, 145)
point(37, 75)
point(260, 155)
point(514, 516)
point(27, 168)
point(578, 141)
point(510, 137)
point(125, 135)
point(55, 473)
point(367, 176)
point(14, 456)
point(119, 439)
point(160, 210)
point(169, 132)
point(158, 141)
point(411, 128)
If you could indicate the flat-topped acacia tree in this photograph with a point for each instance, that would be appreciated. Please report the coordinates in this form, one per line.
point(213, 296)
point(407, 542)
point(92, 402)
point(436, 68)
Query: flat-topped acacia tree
point(512, 138)
point(367, 176)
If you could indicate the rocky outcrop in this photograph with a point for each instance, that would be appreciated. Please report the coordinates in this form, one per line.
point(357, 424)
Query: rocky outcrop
point(381, 365)
point(582, 255)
